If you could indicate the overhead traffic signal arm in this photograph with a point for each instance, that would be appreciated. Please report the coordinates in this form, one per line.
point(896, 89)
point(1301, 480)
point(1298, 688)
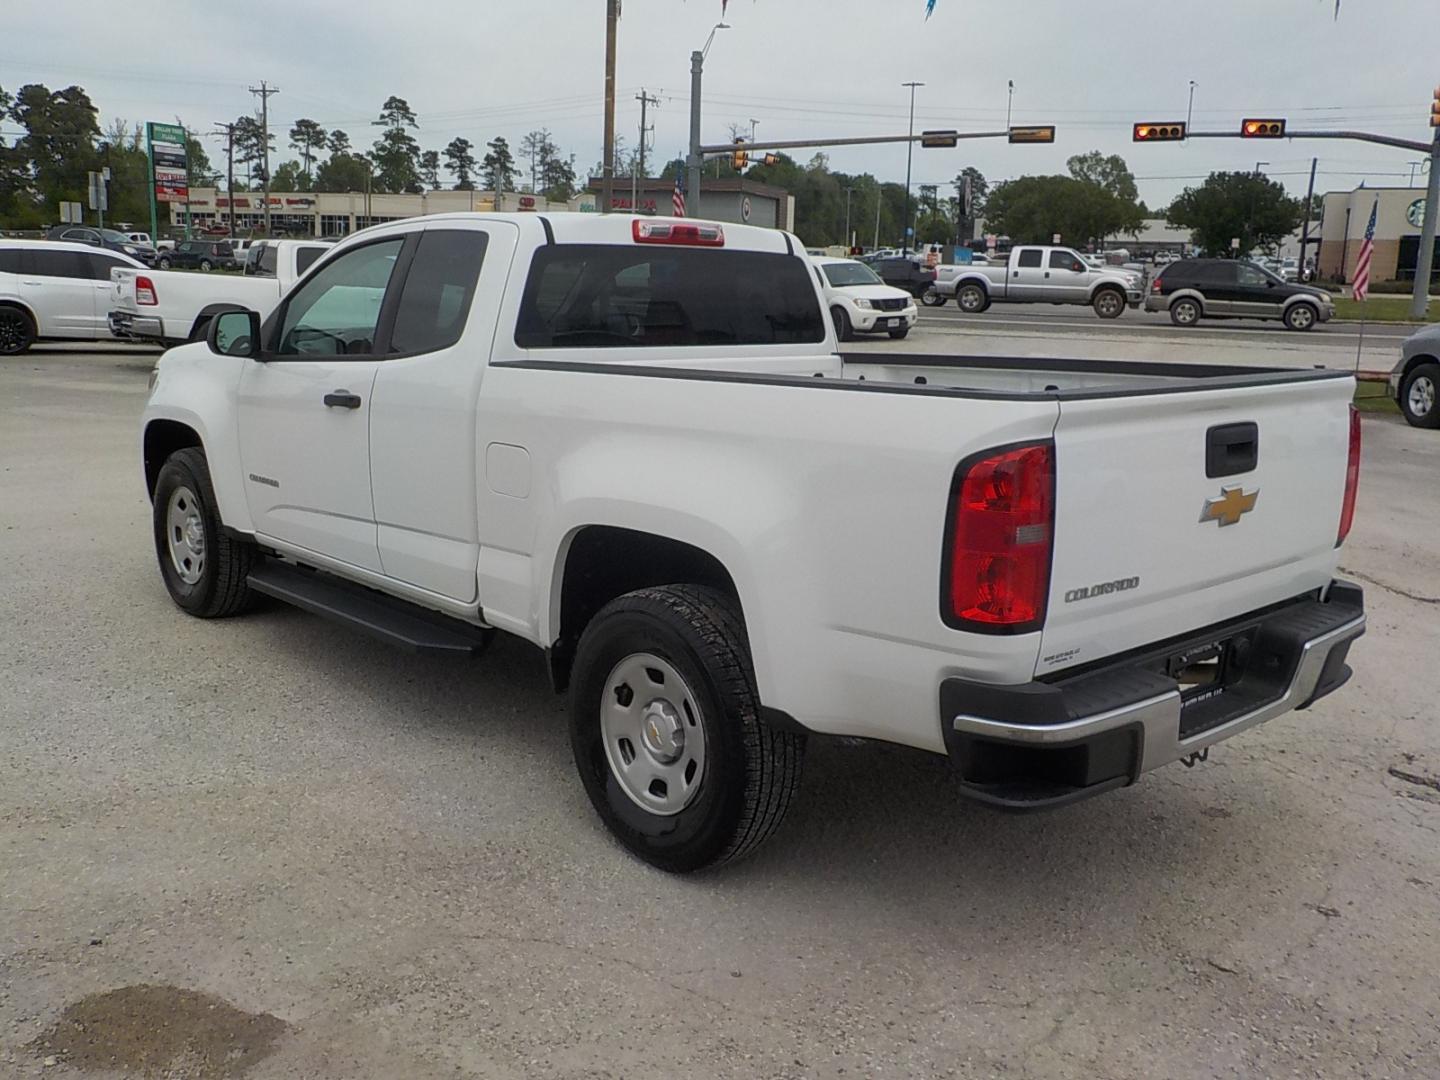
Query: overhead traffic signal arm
point(1435, 109)
point(1167, 131)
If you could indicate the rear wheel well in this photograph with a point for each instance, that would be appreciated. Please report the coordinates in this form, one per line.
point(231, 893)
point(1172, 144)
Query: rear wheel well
point(605, 562)
point(17, 306)
point(163, 438)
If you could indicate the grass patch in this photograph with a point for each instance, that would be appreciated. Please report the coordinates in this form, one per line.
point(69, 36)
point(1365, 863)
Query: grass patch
point(1376, 309)
point(1371, 397)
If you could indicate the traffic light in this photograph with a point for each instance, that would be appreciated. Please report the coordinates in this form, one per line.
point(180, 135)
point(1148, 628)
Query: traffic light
point(1032, 134)
point(771, 159)
point(948, 139)
point(1161, 132)
point(1435, 109)
point(740, 158)
point(1262, 129)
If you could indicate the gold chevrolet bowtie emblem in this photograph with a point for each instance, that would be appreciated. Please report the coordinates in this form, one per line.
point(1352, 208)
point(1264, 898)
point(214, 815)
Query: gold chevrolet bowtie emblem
point(1227, 509)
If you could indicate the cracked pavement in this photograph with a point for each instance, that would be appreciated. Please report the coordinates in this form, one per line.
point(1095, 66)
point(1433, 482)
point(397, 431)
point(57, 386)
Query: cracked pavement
point(394, 857)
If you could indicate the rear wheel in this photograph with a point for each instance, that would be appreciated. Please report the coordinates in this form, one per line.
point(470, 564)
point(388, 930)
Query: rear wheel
point(667, 734)
point(1109, 303)
point(972, 299)
point(17, 332)
point(1418, 396)
point(843, 329)
point(206, 264)
point(205, 570)
point(1301, 317)
point(1185, 312)
point(163, 263)
point(932, 298)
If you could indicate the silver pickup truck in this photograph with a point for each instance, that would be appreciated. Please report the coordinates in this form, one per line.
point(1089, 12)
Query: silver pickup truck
point(1039, 275)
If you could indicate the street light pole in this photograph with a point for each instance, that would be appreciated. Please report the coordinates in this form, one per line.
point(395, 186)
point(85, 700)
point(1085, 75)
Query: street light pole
point(1420, 298)
point(1009, 102)
point(848, 192)
point(1190, 109)
point(607, 183)
point(909, 157)
point(695, 161)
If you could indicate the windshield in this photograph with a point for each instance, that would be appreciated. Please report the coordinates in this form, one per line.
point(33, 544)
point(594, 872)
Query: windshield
point(842, 274)
point(113, 237)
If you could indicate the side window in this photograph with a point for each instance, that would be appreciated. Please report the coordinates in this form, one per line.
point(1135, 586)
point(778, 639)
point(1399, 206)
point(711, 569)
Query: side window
point(1060, 259)
point(1029, 258)
point(1252, 277)
point(336, 312)
point(305, 258)
point(9, 260)
point(438, 290)
point(82, 236)
point(1221, 273)
point(262, 260)
point(53, 264)
point(101, 265)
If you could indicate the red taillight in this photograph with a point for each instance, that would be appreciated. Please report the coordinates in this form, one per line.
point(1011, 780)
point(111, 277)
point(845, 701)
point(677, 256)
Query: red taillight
point(687, 234)
point(1156, 285)
point(1352, 478)
point(145, 292)
point(1001, 532)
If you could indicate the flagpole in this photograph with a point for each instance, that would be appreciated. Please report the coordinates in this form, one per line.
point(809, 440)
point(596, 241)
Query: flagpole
point(1364, 312)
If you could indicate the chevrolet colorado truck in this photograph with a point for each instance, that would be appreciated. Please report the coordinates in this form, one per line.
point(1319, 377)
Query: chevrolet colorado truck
point(1039, 275)
point(632, 442)
point(170, 307)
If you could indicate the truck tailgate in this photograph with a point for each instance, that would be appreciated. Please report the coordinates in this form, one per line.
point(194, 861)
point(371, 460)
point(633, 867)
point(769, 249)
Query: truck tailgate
point(122, 289)
point(1140, 552)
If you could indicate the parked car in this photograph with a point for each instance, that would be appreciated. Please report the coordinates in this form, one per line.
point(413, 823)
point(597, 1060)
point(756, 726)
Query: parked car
point(170, 307)
point(1195, 289)
point(55, 291)
point(103, 238)
point(199, 255)
point(1290, 269)
point(140, 239)
point(634, 443)
point(1415, 380)
point(860, 302)
point(1039, 275)
point(906, 273)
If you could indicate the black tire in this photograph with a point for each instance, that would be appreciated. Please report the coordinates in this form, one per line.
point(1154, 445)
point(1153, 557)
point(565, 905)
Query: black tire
point(901, 334)
point(1109, 303)
point(17, 330)
point(1185, 312)
point(752, 770)
point(972, 299)
point(163, 262)
point(1301, 316)
point(843, 328)
point(931, 298)
point(222, 588)
point(206, 265)
point(1420, 396)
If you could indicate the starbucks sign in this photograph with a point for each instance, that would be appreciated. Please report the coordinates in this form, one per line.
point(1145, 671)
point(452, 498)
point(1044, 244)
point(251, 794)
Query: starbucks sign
point(1416, 214)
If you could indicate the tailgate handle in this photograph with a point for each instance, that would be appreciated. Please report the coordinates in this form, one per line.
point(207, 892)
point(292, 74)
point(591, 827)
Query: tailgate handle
point(1232, 449)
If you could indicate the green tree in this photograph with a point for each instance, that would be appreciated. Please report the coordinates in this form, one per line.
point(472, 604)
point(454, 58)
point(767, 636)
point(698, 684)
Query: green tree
point(343, 172)
point(396, 153)
point(1034, 208)
point(200, 172)
point(289, 176)
point(1236, 204)
point(460, 162)
point(537, 148)
point(557, 177)
point(430, 169)
point(250, 143)
point(307, 138)
point(979, 188)
point(15, 202)
point(1112, 175)
point(338, 142)
point(61, 129)
point(498, 166)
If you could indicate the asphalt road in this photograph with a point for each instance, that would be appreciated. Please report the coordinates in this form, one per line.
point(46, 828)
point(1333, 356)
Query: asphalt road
point(270, 834)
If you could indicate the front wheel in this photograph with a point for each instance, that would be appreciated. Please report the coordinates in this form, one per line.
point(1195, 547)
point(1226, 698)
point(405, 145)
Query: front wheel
point(1418, 393)
point(205, 570)
point(666, 730)
point(206, 265)
point(972, 299)
point(931, 298)
point(1301, 317)
point(844, 330)
point(1185, 312)
point(1109, 304)
point(163, 263)
point(900, 334)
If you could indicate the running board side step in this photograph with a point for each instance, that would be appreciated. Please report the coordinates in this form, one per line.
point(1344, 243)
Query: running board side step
point(386, 618)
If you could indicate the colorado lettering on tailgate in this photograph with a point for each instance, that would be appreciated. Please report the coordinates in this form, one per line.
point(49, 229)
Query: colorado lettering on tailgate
point(1104, 588)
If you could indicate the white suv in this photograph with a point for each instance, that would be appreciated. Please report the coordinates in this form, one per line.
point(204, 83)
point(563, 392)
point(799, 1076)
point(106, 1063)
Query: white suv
point(55, 290)
point(859, 302)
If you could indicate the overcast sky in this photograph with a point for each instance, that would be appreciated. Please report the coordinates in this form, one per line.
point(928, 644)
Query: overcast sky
point(802, 68)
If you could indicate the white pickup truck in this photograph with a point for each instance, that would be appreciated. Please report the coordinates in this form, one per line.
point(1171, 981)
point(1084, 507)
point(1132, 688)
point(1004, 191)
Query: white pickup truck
point(1039, 275)
point(632, 442)
point(175, 306)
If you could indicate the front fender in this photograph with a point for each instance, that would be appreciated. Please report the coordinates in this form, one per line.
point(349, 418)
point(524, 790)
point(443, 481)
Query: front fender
point(197, 388)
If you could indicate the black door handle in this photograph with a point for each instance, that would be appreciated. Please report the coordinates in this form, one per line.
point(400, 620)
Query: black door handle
point(343, 399)
point(1232, 449)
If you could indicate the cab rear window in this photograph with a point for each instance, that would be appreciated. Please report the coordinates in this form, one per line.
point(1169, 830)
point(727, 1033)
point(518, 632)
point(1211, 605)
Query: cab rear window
point(599, 296)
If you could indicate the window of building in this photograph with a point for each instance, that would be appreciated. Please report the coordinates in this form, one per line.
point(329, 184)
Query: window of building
point(334, 224)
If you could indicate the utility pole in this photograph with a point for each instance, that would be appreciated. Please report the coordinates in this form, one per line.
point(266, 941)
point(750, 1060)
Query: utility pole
point(228, 130)
point(909, 156)
point(848, 192)
point(1305, 231)
point(879, 199)
point(1425, 259)
point(265, 90)
point(612, 29)
point(695, 160)
point(645, 99)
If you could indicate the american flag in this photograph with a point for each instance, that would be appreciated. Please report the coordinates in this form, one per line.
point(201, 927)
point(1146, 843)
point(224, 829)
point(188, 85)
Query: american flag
point(677, 200)
point(1367, 249)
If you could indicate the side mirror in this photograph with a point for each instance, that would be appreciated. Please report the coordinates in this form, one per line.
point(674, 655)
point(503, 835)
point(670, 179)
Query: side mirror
point(234, 333)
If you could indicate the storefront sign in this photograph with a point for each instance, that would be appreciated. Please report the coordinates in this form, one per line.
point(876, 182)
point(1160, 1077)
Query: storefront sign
point(1416, 214)
point(169, 165)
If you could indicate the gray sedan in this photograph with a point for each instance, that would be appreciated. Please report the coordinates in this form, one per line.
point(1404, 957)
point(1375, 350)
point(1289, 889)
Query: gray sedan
point(1415, 380)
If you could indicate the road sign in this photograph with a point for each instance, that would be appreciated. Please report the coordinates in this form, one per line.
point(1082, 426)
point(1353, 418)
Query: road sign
point(947, 139)
point(1234, 243)
point(97, 192)
point(1164, 131)
point(1043, 134)
point(1055, 239)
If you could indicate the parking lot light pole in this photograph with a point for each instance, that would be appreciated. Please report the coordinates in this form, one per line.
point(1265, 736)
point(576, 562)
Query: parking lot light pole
point(1425, 258)
point(909, 156)
point(695, 161)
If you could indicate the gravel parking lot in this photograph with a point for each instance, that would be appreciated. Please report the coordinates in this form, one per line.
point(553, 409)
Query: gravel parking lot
point(295, 852)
